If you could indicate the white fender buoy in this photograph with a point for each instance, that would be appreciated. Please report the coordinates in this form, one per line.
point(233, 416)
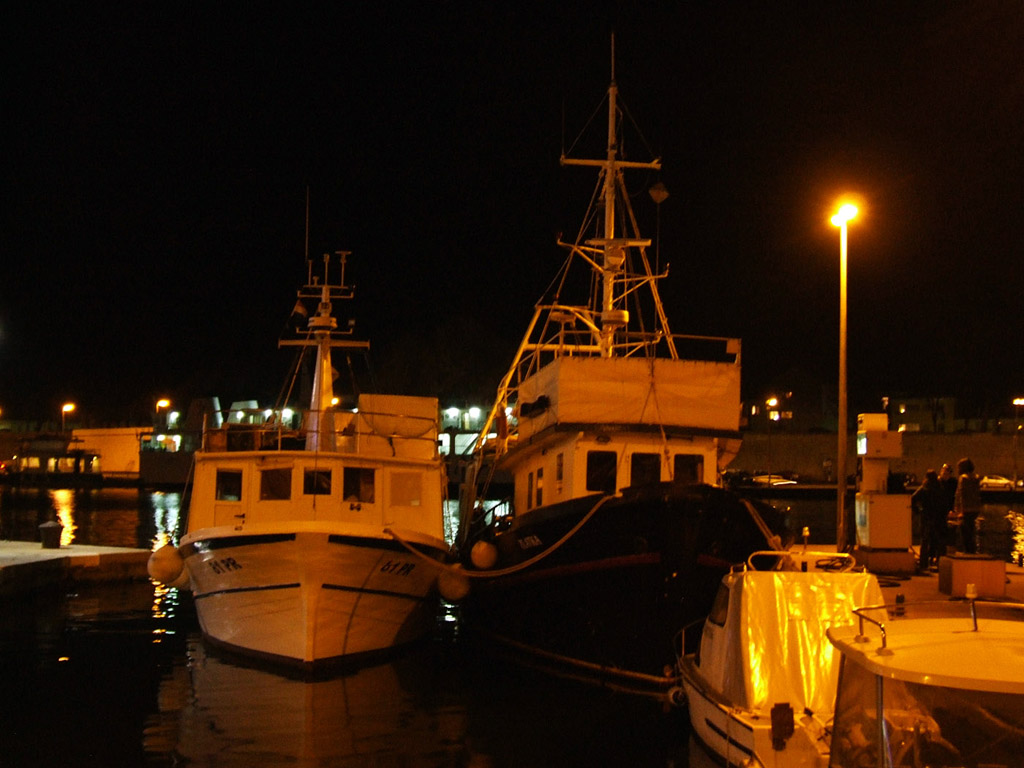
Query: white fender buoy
point(483, 555)
point(453, 584)
point(166, 567)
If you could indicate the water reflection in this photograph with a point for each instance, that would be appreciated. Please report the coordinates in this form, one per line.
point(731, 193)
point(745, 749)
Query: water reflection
point(64, 506)
point(166, 519)
point(213, 711)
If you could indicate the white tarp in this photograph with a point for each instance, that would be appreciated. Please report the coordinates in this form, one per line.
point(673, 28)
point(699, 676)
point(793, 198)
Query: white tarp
point(672, 393)
point(776, 649)
point(398, 425)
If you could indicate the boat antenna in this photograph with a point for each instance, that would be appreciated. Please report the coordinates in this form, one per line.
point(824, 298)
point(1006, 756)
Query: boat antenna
point(613, 55)
point(309, 264)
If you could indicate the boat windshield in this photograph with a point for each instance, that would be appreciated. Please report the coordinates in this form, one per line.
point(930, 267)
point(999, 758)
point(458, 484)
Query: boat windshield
point(923, 725)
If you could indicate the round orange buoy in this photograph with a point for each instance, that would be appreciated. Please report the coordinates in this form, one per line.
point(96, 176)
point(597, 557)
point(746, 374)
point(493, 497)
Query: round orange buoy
point(483, 555)
point(166, 567)
point(453, 584)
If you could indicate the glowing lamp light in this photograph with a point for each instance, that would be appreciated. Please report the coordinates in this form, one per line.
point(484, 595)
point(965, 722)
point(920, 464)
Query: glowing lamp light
point(64, 411)
point(846, 212)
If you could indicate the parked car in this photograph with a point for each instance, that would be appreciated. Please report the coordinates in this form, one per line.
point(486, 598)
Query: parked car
point(996, 483)
point(772, 480)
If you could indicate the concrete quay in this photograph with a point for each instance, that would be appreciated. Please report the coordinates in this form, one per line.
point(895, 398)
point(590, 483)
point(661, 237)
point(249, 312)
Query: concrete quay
point(994, 579)
point(26, 567)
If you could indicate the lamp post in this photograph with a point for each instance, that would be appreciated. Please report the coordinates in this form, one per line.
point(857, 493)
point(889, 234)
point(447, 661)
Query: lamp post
point(163, 402)
point(64, 411)
point(846, 212)
point(1017, 403)
point(770, 405)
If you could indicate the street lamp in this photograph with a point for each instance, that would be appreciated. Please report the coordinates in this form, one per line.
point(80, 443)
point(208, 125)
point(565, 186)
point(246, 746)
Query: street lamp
point(64, 411)
point(771, 413)
point(1017, 403)
point(846, 212)
point(163, 402)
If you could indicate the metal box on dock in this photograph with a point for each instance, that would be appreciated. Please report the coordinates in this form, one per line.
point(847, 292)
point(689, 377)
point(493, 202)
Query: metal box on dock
point(883, 520)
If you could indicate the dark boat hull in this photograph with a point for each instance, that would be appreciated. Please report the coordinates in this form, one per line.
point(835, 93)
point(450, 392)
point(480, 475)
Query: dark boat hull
point(618, 591)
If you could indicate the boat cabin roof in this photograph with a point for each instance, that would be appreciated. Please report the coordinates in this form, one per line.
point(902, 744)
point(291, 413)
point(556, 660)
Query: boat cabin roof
point(943, 651)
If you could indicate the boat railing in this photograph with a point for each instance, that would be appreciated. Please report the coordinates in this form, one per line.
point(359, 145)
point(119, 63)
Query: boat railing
point(562, 335)
point(966, 609)
point(799, 559)
point(257, 431)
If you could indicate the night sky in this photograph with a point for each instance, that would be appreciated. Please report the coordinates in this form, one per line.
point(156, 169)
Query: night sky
point(157, 160)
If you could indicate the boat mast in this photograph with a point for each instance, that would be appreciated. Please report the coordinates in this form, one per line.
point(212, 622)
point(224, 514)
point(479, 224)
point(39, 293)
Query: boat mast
point(613, 248)
point(320, 430)
point(324, 334)
point(613, 255)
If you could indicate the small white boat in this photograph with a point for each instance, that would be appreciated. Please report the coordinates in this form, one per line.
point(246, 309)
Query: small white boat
point(941, 684)
point(762, 686)
point(316, 538)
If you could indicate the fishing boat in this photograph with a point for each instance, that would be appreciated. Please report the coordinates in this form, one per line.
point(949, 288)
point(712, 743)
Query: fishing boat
point(313, 537)
point(612, 432)
point(761, 688)
point(938, 684)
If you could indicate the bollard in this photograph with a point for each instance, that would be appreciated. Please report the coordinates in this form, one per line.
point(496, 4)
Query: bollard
point(49, 534)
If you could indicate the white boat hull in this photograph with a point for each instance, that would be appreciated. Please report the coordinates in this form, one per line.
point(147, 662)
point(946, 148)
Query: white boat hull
point(743, 737)
point(308, 597)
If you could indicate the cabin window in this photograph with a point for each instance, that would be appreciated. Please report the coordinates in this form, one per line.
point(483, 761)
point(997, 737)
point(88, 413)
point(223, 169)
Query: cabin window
point(406, 489)
point(529, 491)
point(689, 468)
point(601, 471)
point(229, 485)
point(316, 482)
point(720, 608)
point(644, 469)
point(357, 484)
point(275, 484)
point(540, 486)
point(559, 467)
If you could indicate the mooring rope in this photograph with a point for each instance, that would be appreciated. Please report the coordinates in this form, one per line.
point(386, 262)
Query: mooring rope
point(457, 569)
point(772, 539)
point(602, 670)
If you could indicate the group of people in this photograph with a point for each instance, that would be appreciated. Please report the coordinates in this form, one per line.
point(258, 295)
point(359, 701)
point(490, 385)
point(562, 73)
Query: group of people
point(948, 506)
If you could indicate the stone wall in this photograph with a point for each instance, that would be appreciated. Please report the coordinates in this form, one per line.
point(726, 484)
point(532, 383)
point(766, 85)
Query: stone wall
point(808, 454)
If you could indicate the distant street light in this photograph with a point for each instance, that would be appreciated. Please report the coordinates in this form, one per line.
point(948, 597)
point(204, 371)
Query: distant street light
point(846, 212)
point(163, 402)
point(64, 411)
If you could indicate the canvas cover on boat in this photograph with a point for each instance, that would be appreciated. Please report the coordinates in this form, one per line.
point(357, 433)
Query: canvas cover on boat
point(775, 648)
point(398, 425)
point(695, 394)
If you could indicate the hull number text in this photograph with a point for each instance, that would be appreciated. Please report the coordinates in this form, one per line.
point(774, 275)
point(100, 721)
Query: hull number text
point(397, 567)
point(224, 565)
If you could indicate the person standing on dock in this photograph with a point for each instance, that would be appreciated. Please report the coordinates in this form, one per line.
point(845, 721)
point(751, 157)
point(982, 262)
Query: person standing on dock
point(967, 503)
point(947, 482)
point(929, 503)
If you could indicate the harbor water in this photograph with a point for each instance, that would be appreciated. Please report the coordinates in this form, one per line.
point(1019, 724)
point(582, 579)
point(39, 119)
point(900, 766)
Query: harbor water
point(117, 675)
